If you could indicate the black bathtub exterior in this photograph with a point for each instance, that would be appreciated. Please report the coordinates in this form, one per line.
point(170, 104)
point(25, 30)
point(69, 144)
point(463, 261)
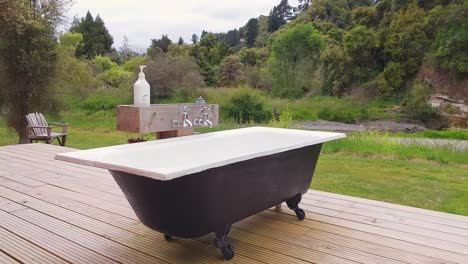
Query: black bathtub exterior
point(198, 204)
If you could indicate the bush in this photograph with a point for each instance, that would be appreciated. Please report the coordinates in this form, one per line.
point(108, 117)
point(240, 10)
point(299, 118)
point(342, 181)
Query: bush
point(257, 78)
point(343, 113)
point(103, 63)
point(231, 71)
point(116, 77)
point(132, 64)
point(295, 57)
point(337, 71)
point(245, 107)
point(417, 103)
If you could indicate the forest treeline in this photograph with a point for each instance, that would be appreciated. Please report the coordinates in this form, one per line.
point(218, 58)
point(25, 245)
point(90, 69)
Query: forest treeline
point(366, 48)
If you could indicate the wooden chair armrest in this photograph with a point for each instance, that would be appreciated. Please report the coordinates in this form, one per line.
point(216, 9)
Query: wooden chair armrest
point(48, 129)
point(40, 127)
point(58, 124)
point(63, 125)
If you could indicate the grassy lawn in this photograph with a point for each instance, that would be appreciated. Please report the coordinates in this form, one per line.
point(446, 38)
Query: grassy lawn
point(365, 165)
point(418, 183)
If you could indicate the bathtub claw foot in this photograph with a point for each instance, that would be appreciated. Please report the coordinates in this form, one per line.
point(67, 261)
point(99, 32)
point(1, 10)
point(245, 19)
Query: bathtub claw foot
point(220, 242)
point(293, 204)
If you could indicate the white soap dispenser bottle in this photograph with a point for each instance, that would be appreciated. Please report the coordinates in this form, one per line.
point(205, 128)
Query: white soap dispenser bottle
point(141, 90)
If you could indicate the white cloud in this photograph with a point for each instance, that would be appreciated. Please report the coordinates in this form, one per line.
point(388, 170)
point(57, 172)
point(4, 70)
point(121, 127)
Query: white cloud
point(142, 20)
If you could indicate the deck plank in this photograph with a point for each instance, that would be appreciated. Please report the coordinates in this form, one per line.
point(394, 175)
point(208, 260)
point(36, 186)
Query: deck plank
point(56, 207)
point(53, 243)
point(6, 259)
point(25, 251)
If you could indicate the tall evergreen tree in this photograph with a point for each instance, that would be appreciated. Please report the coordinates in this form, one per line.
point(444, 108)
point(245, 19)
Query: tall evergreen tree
point(251, 32)
point(303, 5)
point(232, 37)
point(162, 43)
point(194, 39)
point(203, 34)
point(279, 15)
point(96, 37)
point(285, 10)
point(181, 41)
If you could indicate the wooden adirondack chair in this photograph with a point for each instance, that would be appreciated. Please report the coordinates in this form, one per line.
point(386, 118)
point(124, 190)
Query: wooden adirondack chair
point(39, 129)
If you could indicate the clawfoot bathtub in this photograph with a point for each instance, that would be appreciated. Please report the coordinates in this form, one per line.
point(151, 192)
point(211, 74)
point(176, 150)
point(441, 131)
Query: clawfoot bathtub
point(192, 186)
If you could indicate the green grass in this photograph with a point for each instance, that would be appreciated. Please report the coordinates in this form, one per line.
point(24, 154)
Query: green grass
point(347, 110)
point(371, 143)
point(458, 134)
point(421, 184)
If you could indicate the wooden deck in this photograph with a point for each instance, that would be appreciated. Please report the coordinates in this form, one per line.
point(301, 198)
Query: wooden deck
point(56, 212)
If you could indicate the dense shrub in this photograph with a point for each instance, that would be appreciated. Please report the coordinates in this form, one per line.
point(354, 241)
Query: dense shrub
point(338, 73)
point(417, 103)
point(103, 63)
point(245, 107)
point(75, 78)
point(406, 43)
point(132, 64)
point(232, 73)
point(450, 47)
point(257, 78)
point(361, 44)
point(254, 56)
point(116, 77)
point(343, 113)
point(166, 75)
point(294, 58)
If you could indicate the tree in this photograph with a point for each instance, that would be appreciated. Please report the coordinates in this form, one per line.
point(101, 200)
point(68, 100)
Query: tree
point(96, 37)
point(279, 15)
point(333, 11)
point(162, 43)
point(338, 71)
point(361, 44)
point(303, 6)
point(366, 16)
point(251, 32)
point(232, 38)
point(167, 75)
point(126, 52)
point(285, 10)
point(181, 41)
point(71, 40)
point(208, 54)
point(27, 58)
point(295, 56)
point(406, 44)
point(203, 34)
point(194, 39)
point(231, 71)
point(450, 47)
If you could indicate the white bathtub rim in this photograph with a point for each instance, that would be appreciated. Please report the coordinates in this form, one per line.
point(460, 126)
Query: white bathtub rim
point(160, 174)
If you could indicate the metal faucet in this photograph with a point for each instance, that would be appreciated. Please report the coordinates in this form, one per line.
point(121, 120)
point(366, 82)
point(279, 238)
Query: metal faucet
point(186, 122)
point(205, 120)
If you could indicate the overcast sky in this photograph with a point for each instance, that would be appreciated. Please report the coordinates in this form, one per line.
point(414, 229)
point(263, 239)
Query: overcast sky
point(142, 20)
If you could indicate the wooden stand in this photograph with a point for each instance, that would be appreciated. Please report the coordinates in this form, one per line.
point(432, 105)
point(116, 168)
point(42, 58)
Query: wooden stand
point(159, 118)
